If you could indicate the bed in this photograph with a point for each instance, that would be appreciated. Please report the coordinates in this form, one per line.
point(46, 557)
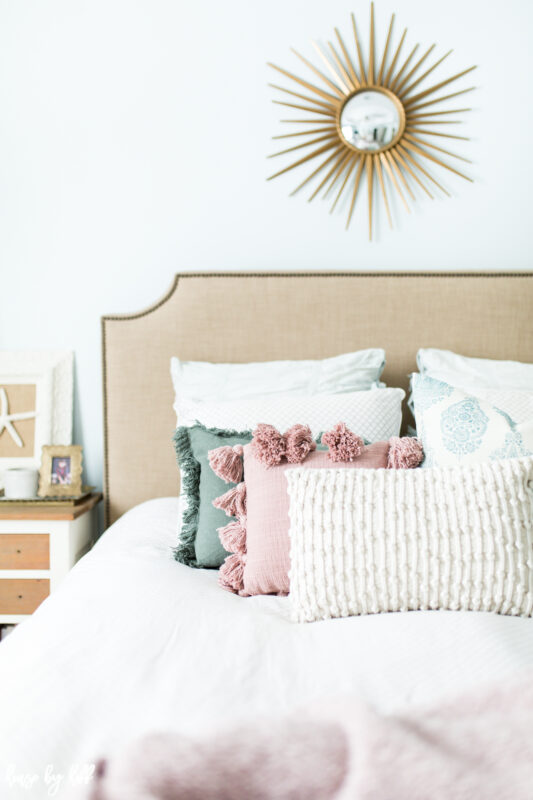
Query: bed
point(134, 642)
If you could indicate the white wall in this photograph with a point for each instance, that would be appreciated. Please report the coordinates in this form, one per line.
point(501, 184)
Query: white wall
point(133, 136)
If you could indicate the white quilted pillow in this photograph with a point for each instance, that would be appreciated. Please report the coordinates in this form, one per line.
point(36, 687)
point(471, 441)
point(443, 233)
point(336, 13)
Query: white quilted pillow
point(375, 414)
point(366, 541)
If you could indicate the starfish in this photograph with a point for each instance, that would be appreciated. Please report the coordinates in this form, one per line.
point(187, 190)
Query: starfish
point(7, 419)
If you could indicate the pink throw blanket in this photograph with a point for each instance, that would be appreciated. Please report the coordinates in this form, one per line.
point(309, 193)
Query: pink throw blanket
point(479, 747)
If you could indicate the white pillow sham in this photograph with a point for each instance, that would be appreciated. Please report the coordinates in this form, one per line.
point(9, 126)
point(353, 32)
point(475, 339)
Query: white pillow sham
point(368, 541)
point(474, 373)
point(458, 427)
point(374, 415)
point(200, 381)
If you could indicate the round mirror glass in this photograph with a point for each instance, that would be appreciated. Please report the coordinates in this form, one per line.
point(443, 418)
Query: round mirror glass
point(370, 120)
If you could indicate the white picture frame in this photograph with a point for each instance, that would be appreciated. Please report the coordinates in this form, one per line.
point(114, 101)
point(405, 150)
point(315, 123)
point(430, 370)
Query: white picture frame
point(51, 371)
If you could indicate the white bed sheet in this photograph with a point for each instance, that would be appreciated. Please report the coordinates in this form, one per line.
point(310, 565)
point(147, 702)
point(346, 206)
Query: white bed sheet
point(134, 642)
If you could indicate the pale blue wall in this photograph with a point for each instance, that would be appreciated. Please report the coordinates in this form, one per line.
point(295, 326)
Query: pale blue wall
point(133, 137)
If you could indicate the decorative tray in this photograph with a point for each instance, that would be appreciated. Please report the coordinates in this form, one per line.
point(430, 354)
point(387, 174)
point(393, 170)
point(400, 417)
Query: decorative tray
point(46, 502)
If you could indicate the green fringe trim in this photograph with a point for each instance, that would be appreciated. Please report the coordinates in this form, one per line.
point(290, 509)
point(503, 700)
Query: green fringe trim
point(185, 551)
point(190, 473)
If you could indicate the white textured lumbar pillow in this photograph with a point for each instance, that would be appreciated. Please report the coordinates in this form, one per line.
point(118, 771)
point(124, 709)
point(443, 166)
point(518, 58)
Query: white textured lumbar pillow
point(366, 541)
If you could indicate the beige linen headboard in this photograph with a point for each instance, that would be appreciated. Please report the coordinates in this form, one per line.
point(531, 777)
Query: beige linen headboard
point(261, 317)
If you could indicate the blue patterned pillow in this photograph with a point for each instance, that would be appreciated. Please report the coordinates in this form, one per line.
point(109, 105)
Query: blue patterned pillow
point(459, 427)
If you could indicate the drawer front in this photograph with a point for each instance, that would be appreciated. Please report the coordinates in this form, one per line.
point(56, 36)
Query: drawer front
point(22, 596)
point(24, 551)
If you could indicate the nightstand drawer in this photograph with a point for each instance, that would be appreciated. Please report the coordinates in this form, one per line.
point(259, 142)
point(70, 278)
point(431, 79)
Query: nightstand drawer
point(24, 551)
point(22, 596)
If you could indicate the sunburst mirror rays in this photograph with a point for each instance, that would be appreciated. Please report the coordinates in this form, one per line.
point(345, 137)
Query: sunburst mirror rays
point(365, 122)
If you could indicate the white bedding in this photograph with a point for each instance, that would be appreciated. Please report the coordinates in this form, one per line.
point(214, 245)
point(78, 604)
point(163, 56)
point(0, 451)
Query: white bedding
point(135, 642)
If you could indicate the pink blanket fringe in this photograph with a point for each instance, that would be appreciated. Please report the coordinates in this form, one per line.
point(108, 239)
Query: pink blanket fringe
point(476, 748)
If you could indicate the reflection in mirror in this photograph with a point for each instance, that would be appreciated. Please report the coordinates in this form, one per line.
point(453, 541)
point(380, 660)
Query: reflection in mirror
point(370, 120)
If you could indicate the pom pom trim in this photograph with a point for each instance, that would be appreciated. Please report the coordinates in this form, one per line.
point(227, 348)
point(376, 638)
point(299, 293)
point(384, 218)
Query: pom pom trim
point(233, 502)
point(404, 453)
point(231, 573)
point(343, 444)
point(226, 462)
point(299, 443)
point(268, 445)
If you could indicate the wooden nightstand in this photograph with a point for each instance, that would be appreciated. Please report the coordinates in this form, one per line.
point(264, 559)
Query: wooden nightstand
point(37, 549)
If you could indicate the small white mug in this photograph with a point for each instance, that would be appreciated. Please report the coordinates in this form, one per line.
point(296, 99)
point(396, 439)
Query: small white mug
point(20, 483)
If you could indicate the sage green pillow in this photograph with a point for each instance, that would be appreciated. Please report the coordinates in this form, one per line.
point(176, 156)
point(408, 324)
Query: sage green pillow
point(199, 543)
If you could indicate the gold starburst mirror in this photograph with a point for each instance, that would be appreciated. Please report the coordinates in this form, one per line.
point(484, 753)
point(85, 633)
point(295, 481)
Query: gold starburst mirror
point(368, 120)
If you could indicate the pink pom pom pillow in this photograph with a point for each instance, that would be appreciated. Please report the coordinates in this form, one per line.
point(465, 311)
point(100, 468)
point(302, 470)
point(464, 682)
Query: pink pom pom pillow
point(259, 536)
point(266, 567)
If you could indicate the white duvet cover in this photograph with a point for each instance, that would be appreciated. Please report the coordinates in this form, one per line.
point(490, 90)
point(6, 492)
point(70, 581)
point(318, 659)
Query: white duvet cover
point(134, 642)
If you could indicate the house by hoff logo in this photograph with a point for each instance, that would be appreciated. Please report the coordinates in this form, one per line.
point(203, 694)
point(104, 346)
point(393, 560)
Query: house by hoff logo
point(51, 780)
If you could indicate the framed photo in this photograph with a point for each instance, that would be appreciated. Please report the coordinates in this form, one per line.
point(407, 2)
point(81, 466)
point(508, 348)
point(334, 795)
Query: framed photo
point(60, 473)
point(36, 390)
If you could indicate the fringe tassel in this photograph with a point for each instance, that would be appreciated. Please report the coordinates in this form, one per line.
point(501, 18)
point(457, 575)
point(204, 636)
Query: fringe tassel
point(233, 502)
point(268, 445)
point(226, 462)
point(231, 573)
point(342, 443)
point(300, 443)
point(233, 536)
point(404, 453)
point(190, 468)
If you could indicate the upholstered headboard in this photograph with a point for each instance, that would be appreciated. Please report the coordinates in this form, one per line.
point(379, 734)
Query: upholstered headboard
point(260, 317)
